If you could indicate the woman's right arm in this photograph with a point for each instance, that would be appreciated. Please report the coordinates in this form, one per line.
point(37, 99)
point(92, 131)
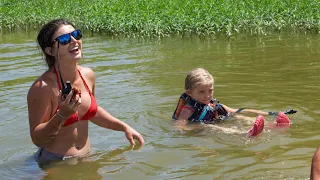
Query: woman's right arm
point(43, 128)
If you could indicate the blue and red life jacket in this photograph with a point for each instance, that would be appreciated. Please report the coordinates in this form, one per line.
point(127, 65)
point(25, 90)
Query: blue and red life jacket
point(206, 113)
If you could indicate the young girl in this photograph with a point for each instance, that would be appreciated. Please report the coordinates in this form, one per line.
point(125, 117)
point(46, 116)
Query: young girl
point(197, 105)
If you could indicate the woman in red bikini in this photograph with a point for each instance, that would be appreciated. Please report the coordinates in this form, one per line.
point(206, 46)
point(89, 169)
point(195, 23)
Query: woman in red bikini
point(59, 122)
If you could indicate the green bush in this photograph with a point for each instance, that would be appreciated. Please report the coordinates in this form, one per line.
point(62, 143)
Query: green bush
point(165, 17)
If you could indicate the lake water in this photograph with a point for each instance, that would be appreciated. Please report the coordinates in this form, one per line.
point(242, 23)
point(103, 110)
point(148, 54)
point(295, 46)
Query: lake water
point(140, 80)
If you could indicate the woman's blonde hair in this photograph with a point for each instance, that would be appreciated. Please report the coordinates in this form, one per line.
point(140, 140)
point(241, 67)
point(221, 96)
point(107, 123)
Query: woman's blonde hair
point(197, 76)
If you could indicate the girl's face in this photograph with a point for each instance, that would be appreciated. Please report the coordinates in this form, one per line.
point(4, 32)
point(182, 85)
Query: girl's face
point(72, 50)
point(202, 93)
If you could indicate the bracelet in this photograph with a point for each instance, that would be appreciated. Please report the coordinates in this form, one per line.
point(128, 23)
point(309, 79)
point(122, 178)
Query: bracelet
point(58, 113)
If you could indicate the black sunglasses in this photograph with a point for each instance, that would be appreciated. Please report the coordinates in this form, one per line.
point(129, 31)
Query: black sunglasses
point(65, 39)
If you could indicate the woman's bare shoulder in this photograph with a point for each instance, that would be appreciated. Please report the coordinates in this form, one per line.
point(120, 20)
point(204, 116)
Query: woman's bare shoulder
point(88, 73)
point(44, 85)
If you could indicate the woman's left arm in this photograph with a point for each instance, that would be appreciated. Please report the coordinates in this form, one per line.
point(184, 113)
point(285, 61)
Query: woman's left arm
point(106, 120)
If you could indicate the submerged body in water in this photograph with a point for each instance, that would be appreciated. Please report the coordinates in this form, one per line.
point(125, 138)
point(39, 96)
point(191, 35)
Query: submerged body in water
point(197, 105)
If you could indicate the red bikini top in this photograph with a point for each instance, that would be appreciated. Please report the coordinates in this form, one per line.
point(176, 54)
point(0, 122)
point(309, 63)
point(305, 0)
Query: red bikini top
point(91, 112)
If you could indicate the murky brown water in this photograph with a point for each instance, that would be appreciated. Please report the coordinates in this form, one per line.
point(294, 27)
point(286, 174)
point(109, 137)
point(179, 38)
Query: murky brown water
point(139, 81)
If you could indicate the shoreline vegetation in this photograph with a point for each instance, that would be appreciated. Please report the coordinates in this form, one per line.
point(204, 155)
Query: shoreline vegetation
point(159, 18)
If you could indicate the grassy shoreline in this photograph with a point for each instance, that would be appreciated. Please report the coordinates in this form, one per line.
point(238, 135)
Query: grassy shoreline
point(162, 18)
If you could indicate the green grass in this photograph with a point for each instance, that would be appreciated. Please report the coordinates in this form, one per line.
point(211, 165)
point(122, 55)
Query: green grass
point(166, 17)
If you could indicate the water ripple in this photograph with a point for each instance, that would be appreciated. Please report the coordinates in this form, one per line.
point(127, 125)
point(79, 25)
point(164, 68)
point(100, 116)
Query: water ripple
point(139, 82)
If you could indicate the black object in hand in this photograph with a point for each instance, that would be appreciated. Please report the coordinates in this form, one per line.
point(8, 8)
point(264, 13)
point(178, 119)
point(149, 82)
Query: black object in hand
point(289, 111)
point(66, 90)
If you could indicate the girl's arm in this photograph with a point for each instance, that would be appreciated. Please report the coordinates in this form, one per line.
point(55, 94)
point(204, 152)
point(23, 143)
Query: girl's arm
point(244, 111)
point(182, 121)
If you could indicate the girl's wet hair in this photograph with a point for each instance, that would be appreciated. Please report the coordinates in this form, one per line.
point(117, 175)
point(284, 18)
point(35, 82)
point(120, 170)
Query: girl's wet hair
point(45, 37)
point(197, 76)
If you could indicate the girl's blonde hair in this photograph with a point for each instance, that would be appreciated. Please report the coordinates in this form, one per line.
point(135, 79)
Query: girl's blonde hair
point(197, 76)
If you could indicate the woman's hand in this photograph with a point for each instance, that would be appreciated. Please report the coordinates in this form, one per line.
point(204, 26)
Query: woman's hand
point(70, 104)
point(132, 134)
